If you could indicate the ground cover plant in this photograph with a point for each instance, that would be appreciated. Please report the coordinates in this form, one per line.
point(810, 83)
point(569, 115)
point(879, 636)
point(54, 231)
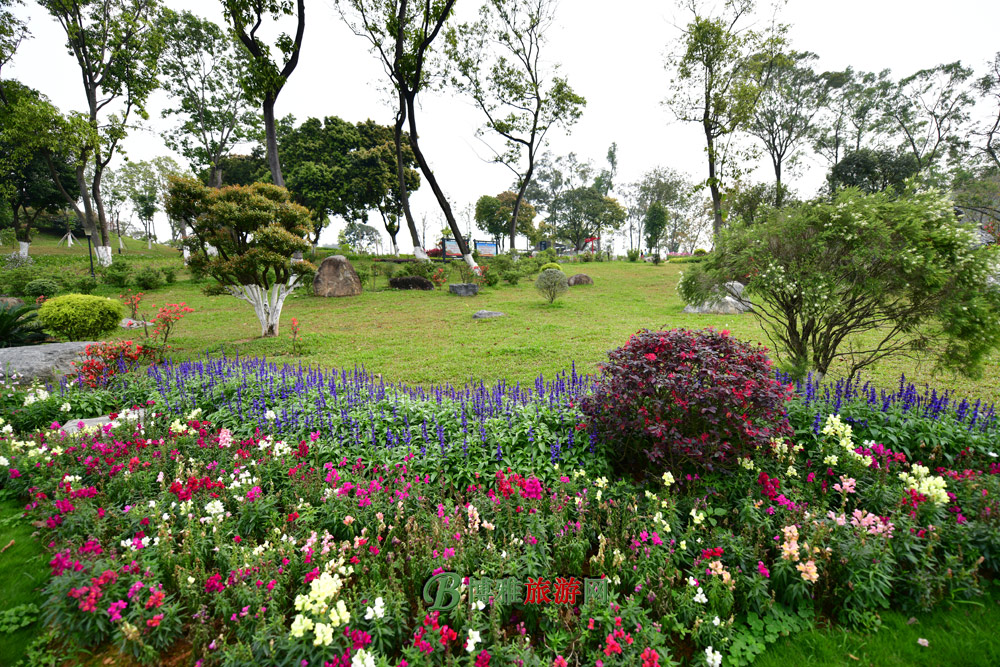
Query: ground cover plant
point(282, 513)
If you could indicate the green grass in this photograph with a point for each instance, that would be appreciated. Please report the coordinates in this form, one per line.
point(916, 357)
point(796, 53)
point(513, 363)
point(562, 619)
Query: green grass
point(23, 570)
point(424, 337)
point(958, 636)
point(48, 245)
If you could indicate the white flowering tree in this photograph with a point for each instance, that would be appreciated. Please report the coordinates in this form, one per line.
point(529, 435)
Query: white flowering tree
point(244, 237)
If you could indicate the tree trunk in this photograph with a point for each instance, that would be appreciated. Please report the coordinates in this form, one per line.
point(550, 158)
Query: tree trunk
point(519, 199)
point(442, 200)
point(713, 186)
point(99, 203)
point(23, 248)
point(266, 304)
point(404, 196)
point(271, 139)
point(777, 184)
point(88, 222)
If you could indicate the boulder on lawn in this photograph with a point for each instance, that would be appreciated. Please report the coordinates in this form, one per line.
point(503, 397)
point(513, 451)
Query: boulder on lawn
point(129, 323)
point(464, 289)
point(336, 277)
point(10, 302)
point(41, 362)
point(580, 279)
point(486, 314)
point(411, 282)
point(729, 302)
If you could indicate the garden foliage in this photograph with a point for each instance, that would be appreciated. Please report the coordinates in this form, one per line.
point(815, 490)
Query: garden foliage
point(551, 283)
point(81, 316)
point(684, 401)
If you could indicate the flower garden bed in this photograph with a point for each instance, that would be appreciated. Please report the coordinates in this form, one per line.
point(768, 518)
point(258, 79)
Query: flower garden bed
point(287, 516)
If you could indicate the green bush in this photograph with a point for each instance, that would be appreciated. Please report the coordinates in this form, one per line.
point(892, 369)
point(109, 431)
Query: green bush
point(84, 285)
point(551, 283)
point(491, 279)
point(511, 277)
point(119, 273)
point(42, 287)
point(587, 257)
point(149, 279)
point(656, 258)
point(81, 316)
point(687, 260)
point(422, 269)
point(700, 251)
point(551, 266)
point(214, 289)
point(633, 255)
point(13, 281)
point(170, 274)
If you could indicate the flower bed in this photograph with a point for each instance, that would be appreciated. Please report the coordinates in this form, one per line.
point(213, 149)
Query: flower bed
point(252, 543)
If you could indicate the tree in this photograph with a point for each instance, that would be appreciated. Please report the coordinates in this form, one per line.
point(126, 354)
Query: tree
point(752, 204)
point(401, 32)
point(254, 230)
point(39, 151)
point(989, 87)
point(675, 193)
point(492, 214)
point(202, 72)
point(783, 117)
point(930, 108)
point(336, 168)
point(239, 170)
point(585, 213)
point(499, 65)
point(719, 72)
point(145, 184)
point(873, 171)
point(360, 237)
point(860, 278)
point(855, 114)
point(117, 45)
point(263, 79)
point(654, 223)
point(13, 31)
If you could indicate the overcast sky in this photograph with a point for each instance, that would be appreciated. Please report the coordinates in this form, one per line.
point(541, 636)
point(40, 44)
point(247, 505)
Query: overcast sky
point(611, 53)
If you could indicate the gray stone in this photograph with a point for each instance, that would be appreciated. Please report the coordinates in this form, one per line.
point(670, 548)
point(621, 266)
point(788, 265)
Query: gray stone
point(731, 302)
point(984, 237)
point(580, 279)
point(486, 314)
point(41, 362)
point(464, 289)
point(10, 302)
point(129, 323)
point(336, 277)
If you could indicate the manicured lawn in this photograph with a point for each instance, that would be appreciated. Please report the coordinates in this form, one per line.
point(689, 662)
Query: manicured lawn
point(22, 570)
point(957, 636)
point(427, 337)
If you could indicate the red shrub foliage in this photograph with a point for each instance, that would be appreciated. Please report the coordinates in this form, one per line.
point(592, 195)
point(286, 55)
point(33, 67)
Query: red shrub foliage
point(682, 399)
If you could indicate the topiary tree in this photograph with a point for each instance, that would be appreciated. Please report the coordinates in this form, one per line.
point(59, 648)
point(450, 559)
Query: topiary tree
point(684, 400)
point(552, 283)
point(860, 278)
point(244, 237)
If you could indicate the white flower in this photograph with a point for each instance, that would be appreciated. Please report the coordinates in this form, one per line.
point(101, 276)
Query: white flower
point(700, 596)
point(716, 621)
point(378, 611)
point(668, 479)
point(270, 415)
point(65, 407)
point(215, 507)
point(692, 581)
point(4, 461)
point(712, 657)
point(362, 659)
point(324, 635)
point(474, 638)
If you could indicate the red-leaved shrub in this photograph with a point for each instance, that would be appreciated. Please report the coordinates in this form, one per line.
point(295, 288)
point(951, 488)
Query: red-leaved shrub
point(684, 400)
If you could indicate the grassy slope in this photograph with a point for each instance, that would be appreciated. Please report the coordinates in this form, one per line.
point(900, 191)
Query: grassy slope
point(22, 570)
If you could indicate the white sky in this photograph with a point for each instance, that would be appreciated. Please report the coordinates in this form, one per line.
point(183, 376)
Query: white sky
point(611, 53)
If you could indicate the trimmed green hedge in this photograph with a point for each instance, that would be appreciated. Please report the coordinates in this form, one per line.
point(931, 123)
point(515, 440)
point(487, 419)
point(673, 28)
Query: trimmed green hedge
point(81, 316)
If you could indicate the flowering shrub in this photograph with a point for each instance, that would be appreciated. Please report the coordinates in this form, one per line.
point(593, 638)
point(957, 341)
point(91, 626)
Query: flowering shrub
point(682, 399)
point(108, 358)
point(80, 316)
point(131, 302)
point(165, 319)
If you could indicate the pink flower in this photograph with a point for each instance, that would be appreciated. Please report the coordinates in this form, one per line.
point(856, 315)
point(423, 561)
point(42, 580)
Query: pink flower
point(763, 570)
point(650, 357)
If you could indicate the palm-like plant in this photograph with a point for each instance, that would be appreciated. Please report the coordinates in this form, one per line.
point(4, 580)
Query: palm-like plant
point(18, 326)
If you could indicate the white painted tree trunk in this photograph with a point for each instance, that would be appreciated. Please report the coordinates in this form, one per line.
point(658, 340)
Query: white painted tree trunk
point(395, 248)
point(210, 249)
point(472, 264)
point(266, 304)
point(23, 248)
point(149, 243)
point(420, 254)
point(186, 254)
point(103, 253)
point(296, 257)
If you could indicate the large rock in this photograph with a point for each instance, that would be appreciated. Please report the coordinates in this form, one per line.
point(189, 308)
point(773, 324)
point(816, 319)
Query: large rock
point(129, 323)
point(729, 302)
point(464, 289)
point(486, 314)
point(336, 277)
point(10, 302)
point(40, 362)
point(580, 279)
point(411, 282)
